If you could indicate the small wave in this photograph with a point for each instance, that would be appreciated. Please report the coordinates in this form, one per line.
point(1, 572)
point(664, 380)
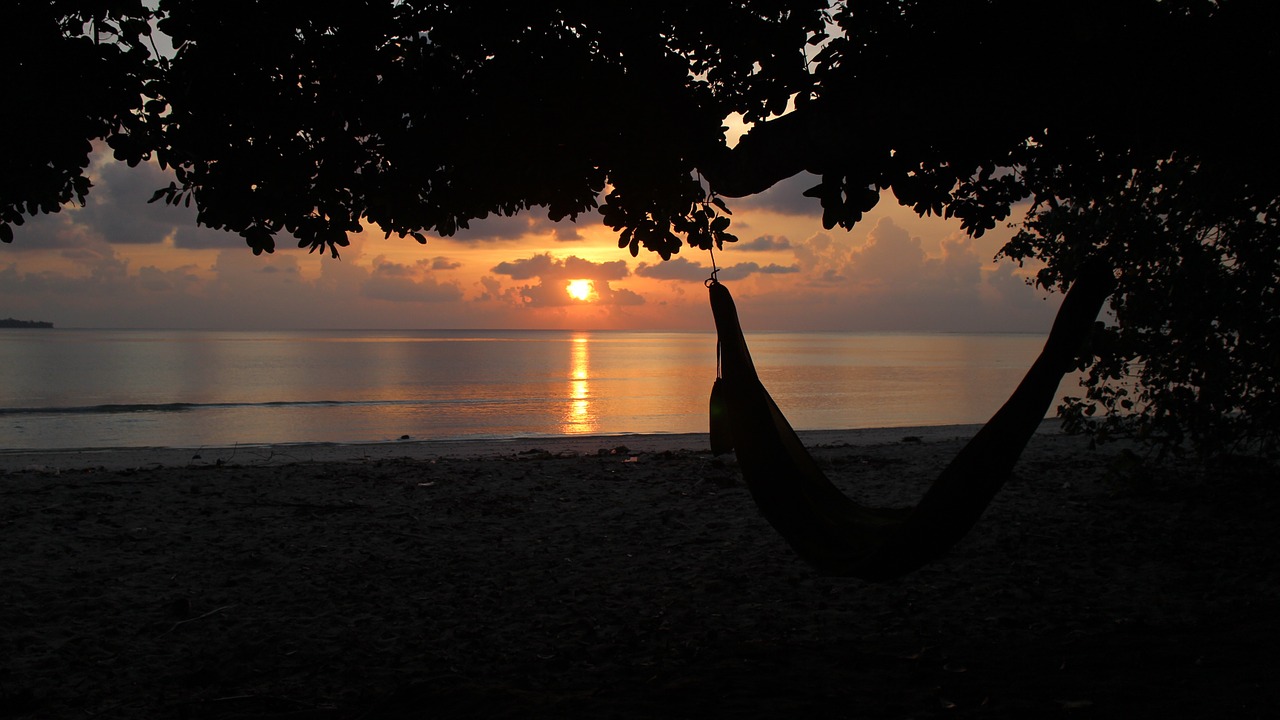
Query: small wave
point(181, 407)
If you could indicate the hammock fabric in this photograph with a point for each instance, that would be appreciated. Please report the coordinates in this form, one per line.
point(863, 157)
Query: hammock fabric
point(841, 537)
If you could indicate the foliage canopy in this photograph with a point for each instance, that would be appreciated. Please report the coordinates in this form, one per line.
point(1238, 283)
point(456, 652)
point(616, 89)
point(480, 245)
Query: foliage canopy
point(1137, 133)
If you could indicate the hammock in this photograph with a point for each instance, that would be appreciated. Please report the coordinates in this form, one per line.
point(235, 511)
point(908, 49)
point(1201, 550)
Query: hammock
point(824, 526)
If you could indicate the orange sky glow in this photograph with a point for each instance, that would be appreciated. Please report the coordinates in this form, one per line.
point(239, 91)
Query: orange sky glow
point(120, 262)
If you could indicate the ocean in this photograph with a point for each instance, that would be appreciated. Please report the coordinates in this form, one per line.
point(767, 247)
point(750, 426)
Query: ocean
point(67, 388)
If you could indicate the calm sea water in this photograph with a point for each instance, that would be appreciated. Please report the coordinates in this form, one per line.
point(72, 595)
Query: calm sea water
point(132, 388)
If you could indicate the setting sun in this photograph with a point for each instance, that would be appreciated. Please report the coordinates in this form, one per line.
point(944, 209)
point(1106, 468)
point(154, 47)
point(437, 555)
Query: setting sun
point(581, 289)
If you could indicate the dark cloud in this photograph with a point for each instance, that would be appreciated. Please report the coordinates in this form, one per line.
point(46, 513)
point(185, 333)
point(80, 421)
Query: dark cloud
point(684, 270)
point(566, 231)
point(99, 259)
point(525, 269)
point(742, 270)
point(576, 267)
point(531, 222)
point(384, 268)
point(763, 243)
point(786, 198)
point(47, 232)
point(573, 267)
point(674, 269)
point(117, 211)
point(492, 288)
point(444, 263)
point(623, 296)
point(191, 237)
point(495, 228)
point(775, 269)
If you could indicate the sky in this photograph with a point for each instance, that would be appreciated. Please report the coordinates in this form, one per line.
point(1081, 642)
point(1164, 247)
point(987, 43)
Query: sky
point(119, 262)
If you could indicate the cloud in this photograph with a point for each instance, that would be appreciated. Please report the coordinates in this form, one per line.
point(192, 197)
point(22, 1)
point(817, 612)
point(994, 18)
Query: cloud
point(444, 263)
point(785, 198)
point(553, 275)
point(492, 288)
point(190, 237)
point(404, 289)
point(682, 270)
point(397, 282)
point(676, 268)
point(890, 282)
point(117, 206)
point(824, 255)
point(116, 211)
point(743, 270)
point(890, 256)
point(764, 243)
point(571, 268)
point(179, 279)
point(55, 231)
point(623, 296)
point(528, 223)
point(382, 267)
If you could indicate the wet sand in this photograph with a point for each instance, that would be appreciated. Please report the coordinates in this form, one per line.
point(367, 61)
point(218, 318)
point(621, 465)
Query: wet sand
point(628, 577)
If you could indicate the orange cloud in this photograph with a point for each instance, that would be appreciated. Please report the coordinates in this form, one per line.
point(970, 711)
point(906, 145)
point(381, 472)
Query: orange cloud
point(553, 275)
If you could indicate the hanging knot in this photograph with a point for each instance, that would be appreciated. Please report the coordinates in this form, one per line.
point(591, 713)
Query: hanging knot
point(714, 270)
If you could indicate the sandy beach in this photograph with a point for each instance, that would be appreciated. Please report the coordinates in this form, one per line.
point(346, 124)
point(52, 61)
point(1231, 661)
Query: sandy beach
point(621, 577)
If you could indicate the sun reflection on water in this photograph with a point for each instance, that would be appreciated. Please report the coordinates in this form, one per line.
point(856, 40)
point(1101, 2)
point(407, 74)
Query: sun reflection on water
point(580, 417)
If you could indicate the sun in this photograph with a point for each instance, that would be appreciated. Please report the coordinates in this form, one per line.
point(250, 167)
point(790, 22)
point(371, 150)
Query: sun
point(582, 290)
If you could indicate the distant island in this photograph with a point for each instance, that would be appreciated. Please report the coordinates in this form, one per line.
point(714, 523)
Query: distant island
point(11, 323)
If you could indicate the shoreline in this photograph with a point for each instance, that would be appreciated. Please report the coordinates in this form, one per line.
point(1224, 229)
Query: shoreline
point(119, 458)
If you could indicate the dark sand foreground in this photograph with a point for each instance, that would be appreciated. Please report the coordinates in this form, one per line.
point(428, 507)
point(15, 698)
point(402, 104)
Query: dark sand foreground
point(585, 583)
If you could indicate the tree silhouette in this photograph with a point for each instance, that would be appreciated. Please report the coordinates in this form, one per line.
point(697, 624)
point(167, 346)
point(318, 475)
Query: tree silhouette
point(1138, 134)
point(75, 72)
